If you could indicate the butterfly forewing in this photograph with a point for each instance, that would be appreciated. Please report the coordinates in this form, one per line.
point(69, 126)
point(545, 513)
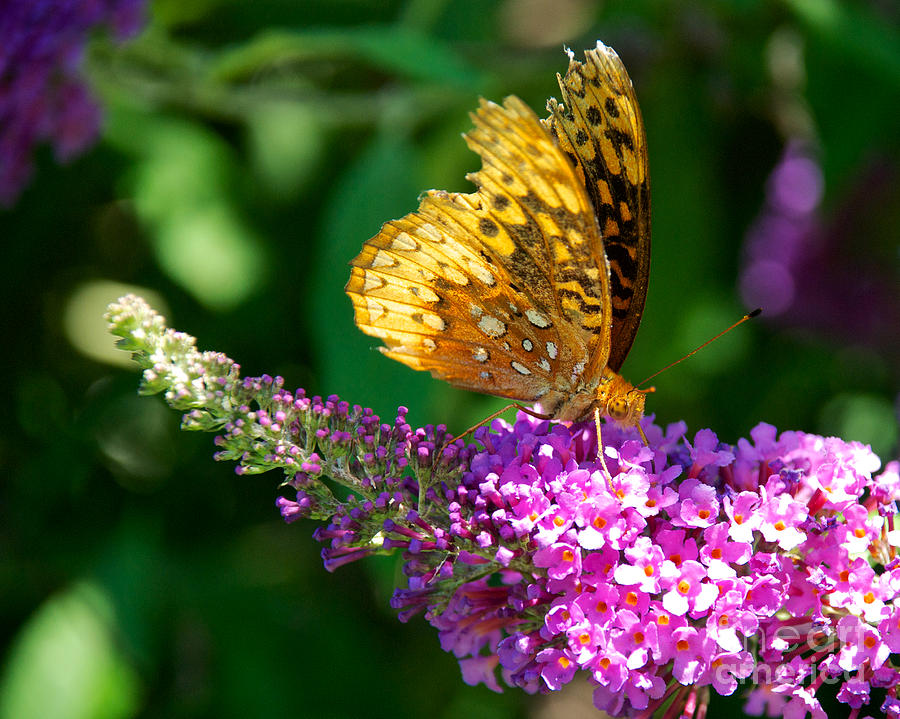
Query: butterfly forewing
point(503, 291)
point(599, 126)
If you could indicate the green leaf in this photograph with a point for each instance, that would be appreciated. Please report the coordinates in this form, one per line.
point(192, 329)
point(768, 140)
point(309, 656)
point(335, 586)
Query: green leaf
point(64, 663)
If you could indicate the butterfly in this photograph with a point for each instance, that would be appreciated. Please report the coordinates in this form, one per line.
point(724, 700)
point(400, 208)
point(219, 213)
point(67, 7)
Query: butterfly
point(531, 288)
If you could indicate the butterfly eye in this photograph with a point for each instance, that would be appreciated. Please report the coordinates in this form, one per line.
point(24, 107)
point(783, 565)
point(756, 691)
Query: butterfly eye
point(618, 408)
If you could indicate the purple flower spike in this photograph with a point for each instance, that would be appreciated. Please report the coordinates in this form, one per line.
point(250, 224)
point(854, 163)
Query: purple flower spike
point(695, 568)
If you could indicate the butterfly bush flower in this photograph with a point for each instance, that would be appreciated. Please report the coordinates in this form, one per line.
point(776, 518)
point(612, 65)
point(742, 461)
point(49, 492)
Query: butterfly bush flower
point(696, 567)
point(42, 93)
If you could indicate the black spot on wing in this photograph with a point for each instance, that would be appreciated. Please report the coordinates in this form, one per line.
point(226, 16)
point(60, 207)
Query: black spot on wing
point(618, 255)
point(488, 227)
point(617, 137)
point(611, 108)
point(595, 117)
point(618, 290)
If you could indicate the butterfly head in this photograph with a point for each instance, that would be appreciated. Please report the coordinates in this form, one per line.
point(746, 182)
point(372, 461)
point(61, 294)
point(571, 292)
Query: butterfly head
point(619, 399)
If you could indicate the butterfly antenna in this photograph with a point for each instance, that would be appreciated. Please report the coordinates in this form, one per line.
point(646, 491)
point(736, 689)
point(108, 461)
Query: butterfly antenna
point(748, 316)
point(511, 405)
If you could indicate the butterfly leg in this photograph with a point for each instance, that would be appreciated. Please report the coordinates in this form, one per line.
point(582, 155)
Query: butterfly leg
point(643, 436)
point(511, 405)
point(600, 449)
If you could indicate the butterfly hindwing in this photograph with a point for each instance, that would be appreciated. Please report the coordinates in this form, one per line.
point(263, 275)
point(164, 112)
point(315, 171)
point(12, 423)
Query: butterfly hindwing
point(503, 291)
point(598, 124)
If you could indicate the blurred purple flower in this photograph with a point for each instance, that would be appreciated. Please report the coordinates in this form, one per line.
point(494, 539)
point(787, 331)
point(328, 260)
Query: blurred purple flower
point(824, 272)
point(777, 242)
point(42, 94)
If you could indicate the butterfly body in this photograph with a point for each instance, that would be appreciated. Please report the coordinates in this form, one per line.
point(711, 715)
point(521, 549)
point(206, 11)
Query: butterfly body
point(611, 393)
point(532, 287)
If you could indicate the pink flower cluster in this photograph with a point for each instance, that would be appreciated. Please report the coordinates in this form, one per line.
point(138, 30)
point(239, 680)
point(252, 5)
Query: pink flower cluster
point(695, 565)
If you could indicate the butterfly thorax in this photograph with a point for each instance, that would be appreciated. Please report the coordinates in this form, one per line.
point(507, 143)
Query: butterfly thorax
point(613, 395)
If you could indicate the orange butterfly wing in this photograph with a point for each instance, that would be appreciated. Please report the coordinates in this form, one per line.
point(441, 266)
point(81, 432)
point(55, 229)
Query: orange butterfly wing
point(599, 126)
point(503, 291)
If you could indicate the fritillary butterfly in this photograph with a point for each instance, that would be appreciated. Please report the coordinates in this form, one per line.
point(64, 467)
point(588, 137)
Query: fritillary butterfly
point(531, 288)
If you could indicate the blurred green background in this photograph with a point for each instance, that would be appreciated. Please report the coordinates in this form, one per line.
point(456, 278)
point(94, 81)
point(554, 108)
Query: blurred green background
point(248, 151)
